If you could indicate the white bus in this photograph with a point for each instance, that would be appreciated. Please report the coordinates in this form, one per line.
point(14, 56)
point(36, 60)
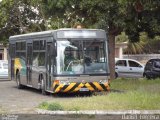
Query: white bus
point(63, 60)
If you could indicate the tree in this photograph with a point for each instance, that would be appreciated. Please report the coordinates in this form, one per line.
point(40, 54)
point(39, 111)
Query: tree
point(113, 16)
point(4, 16)
point(17, 17)
point(131, 16)
point(151, 44)
point(132, 47)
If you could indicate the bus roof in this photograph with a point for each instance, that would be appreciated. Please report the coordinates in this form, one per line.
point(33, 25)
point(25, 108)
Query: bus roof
point(33, 34)
point(51, 32)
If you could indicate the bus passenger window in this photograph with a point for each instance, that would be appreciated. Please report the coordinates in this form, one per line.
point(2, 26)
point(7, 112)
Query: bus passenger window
point(38, 59)
point(41, 60)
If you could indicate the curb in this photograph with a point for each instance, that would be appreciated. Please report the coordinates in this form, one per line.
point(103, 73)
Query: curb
point(2, 79)
point(98, 112)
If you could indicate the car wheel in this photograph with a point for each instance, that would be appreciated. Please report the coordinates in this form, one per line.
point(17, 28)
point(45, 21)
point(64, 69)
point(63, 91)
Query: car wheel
point(149, 76)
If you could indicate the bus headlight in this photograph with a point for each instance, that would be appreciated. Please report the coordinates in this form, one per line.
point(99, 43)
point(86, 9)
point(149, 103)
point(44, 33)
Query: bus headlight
point(103, 81)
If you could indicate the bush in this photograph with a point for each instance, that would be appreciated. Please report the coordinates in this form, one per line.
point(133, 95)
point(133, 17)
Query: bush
point(43, 105)
point(50, 106)
point(55, 106)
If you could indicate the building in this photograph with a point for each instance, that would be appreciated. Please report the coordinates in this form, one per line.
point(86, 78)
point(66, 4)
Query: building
point(3, 52)
point(119, 49)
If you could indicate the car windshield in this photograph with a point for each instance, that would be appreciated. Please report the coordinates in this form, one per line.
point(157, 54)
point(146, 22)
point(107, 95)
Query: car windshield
point(81, 57)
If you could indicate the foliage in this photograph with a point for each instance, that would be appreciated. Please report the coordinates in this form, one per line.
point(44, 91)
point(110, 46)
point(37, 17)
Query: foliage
point(152, 45)
point(131, 16)
point(145, 20)
point(132, 47)
point(43, 105)
point(55, 106)
point(145, 44)
point(121, 38)
point(50, 106)
point(17, 17)
point(4, 16)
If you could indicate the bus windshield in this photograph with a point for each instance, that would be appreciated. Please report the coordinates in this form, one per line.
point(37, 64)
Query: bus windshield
point(81, 57)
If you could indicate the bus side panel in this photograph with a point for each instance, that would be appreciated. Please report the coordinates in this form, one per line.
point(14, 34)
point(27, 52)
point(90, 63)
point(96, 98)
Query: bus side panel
point(36, 73)
point(11, 57)
point(20, 65)
point(35, 77)
point(10, 76)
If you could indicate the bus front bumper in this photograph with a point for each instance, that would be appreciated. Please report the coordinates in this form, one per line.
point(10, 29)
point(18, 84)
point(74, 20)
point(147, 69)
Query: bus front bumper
point(80, 87)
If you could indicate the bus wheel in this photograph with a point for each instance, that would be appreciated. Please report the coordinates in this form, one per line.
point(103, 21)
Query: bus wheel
point(43, 87)
point(19, 86)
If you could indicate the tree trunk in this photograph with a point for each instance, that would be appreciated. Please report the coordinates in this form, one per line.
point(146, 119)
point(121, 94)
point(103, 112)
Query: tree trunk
point(111, 43)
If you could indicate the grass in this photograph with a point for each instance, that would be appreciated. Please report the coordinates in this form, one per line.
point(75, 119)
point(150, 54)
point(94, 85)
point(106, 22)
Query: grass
point(50, 106)
point(2, 111)
point(139, 94)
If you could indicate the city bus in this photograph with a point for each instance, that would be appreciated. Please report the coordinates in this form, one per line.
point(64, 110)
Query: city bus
point(63, 60)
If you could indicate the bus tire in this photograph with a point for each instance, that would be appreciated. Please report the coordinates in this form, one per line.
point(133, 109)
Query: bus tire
point(18, 81)
point(43, 87)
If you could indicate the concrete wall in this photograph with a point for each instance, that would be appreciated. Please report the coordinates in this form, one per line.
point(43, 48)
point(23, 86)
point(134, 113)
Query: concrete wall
point(3, 52)
point(119, 49)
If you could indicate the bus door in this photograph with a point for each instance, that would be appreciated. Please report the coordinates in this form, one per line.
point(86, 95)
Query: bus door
point(12, 56)
point(29, 63)
point(48, 65)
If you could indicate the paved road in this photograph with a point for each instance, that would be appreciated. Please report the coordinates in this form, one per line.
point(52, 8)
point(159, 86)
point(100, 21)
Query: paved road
point(13, 100)
point(21, 105)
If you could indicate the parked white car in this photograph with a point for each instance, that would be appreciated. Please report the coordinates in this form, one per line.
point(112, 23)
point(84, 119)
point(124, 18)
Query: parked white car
point(128, 68)
point(3, 69)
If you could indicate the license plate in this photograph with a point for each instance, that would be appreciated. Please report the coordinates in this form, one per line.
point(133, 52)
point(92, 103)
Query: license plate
point(83, 89)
